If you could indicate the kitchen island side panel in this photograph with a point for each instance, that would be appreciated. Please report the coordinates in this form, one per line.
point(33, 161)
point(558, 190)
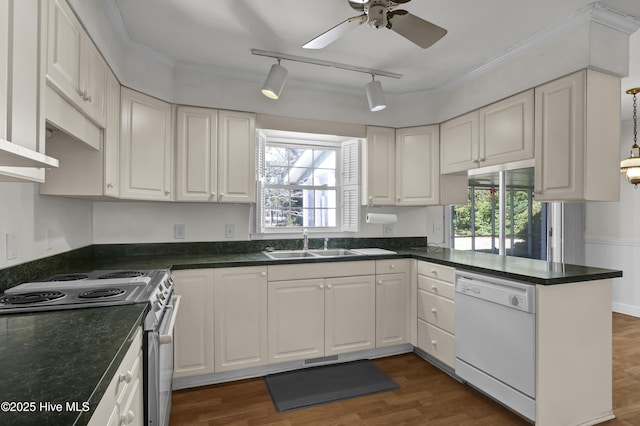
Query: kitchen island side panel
point(574, 353)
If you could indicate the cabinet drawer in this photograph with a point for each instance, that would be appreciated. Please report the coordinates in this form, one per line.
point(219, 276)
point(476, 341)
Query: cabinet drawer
point(436, 310)
point(302, 271)
point(437, 343)
point(392, 266)
point(437, 287)
point(433, 270)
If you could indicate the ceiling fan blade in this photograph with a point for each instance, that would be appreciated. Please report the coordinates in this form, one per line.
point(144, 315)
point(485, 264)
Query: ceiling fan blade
point(417, 30)
point(336, 32)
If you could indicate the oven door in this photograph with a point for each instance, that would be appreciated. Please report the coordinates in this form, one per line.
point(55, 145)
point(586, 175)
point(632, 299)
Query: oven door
point(160, 366)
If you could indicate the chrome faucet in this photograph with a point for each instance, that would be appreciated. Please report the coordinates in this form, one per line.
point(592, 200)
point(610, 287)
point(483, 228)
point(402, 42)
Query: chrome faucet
point(305, 240)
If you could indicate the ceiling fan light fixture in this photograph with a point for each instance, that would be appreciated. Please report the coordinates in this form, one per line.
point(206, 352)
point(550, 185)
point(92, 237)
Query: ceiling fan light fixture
point(275, 81)
point(375, 95)
point(630, 167)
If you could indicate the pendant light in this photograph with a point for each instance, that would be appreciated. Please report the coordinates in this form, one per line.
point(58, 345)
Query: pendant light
point(631, 166)
point(274, 83)
point(375, 95)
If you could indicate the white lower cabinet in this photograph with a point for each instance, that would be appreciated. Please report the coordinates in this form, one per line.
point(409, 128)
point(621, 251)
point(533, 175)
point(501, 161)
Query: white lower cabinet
point(436, 312)
point(240, 318)
point(392, 302)
point(319, 317)
point(122, 402)
point(193, 332)
point(222, 324)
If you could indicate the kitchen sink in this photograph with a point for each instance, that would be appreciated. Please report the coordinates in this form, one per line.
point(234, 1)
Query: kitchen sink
point(334, 252)
point(289, 254)
point(306, 254)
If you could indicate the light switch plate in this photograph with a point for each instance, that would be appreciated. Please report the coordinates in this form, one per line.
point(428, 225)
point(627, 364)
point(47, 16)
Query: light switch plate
point(12, 249)
point(387, 229)
point(179, 231)
point(229, 230)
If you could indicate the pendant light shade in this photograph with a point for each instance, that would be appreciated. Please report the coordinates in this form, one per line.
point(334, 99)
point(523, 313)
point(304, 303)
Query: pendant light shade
point(274, 83)
point(630, 167)
point(375, 95)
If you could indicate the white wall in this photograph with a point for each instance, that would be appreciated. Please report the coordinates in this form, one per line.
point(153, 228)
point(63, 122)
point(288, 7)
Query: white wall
point(612, 237)
point(148, 222)
point(43, 226)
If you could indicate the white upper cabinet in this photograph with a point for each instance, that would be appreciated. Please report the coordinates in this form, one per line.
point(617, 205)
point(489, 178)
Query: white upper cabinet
point(146, 146)
point(506, 130)
point(379, 167)
point(197, 154)
point(236, 157)
point(22, 128)
point(459, 143)
point(418, 166)
point(496, 134)
point(215, 156)
point(74, 66)
point(88, 172)
point(577, 133)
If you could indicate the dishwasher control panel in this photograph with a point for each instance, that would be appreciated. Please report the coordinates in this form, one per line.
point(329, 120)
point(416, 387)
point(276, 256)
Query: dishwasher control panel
point(508, 293)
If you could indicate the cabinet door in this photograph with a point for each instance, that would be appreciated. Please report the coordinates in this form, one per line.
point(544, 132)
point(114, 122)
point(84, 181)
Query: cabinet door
point(236, 157)
point(506, 130)
point(197, 154)
point(240, 318)
point(459, 143)
point(193, 332)
point(380, 166)
point(111, 148)
point(350, 304)
point(63, 53)
point(145, 147)
point(93, 77)
point(418, 166)
point(296, 319)
point(392, 309)
point(559, 125)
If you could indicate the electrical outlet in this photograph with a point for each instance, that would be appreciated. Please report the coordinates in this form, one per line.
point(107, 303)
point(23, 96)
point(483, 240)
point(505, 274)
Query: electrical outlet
point(229, 230)
point(48, 239)
point(179, 231)
point(437, 228)
point(12, 250)
point(387, 229)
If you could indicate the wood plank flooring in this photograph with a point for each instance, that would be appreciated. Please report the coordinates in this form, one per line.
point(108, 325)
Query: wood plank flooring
point(426, 396)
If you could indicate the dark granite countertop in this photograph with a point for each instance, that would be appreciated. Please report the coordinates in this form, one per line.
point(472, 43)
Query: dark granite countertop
point(517, 268)
point(61, 357)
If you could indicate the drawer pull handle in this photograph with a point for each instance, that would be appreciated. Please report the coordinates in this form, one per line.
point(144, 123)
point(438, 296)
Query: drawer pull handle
point(127, 418)
point(434, 311)
point(434, 288)
point(321, 286)
point(433, 342)
point(379, 282)
point(263, 274)
point(328, 286)
point(434, 272)
point(392, 266)
point(126, 377)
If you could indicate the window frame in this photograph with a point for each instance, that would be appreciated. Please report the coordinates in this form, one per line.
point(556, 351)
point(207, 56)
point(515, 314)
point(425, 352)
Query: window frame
point(300, 140)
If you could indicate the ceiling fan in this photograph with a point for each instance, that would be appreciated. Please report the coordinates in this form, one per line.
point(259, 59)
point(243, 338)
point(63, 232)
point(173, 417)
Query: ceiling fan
point(378, 14)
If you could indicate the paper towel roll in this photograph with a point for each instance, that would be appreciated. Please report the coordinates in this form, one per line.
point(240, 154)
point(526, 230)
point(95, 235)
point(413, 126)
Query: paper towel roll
point(381, 218)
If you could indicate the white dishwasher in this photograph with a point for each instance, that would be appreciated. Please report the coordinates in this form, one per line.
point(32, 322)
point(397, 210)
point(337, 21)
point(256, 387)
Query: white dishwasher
point(495, 328)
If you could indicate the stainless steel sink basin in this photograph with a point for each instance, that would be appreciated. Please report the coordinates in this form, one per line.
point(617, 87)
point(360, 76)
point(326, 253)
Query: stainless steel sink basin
point(306, 254)
point(289, 254)
point(334, 252)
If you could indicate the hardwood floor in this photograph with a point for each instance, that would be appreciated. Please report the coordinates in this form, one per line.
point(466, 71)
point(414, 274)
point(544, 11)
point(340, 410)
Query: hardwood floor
point(426, 396)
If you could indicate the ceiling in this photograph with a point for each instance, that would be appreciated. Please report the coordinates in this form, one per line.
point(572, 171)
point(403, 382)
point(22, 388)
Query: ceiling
point(220, 35)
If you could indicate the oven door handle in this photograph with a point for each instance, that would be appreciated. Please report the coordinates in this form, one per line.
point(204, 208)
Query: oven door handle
point(168, 338)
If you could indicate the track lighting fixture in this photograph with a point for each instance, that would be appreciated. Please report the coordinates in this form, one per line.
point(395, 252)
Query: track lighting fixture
point(274, 83)
point(375, 95)
point(278, 75)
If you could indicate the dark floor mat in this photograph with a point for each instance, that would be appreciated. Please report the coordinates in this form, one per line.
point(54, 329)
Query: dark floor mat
point(318, 385)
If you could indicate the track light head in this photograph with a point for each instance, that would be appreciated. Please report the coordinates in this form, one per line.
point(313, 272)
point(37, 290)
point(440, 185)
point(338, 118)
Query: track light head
point(375, 95)
point(275, 81)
